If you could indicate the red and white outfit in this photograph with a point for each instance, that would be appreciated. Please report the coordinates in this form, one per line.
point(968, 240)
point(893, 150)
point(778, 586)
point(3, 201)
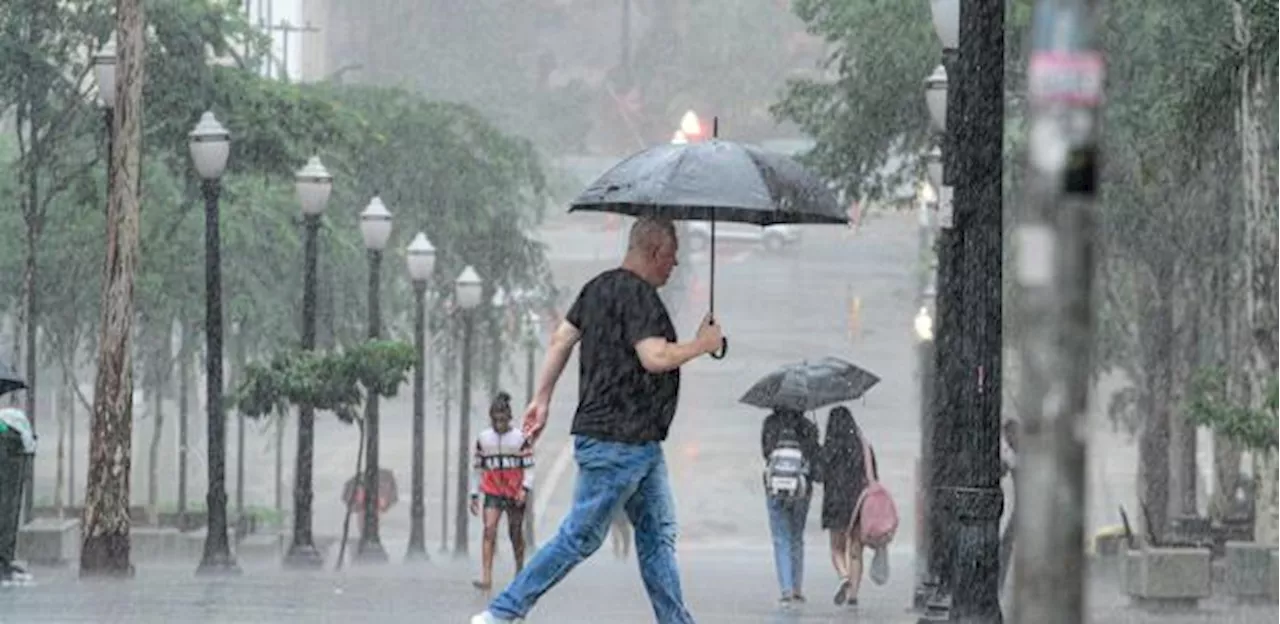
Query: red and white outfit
point(502, 465)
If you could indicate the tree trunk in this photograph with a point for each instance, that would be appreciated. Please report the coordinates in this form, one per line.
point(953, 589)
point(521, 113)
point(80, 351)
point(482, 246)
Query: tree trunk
point(184, 410)
point(1156, 331)
point(280, 420)
point(1224, 288)
point(1182, 451)
point(59, 475)
point(69, 399)
point(153, 453)
point(237, 364)
point(495, 356)
point(105, 550)
point(1259, 251)
point(29, 330)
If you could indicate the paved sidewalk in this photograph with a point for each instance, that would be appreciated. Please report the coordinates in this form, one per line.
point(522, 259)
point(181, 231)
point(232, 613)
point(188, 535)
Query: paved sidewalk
point(722, 587)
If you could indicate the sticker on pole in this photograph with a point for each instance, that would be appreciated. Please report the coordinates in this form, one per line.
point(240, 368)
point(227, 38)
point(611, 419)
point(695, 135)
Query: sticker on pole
point(1071, 78)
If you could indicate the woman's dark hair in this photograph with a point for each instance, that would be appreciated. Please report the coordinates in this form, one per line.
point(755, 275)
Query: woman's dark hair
point(501, 403)
point(841, 427)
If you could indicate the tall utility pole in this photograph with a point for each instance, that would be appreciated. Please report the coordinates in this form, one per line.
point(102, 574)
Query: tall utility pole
point(1054, 255)
point(105, 550)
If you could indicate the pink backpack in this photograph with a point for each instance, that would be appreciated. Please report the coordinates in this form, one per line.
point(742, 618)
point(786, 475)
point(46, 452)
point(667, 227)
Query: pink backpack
point(875, 513)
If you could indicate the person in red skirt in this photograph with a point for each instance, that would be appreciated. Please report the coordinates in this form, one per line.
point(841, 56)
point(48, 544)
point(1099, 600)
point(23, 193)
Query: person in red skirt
point(501, 480)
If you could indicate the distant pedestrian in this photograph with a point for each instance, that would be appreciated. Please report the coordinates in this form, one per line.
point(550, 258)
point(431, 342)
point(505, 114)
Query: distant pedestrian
point(629, 384)
point(846, 478)
point(503, 476)
point(789, 443)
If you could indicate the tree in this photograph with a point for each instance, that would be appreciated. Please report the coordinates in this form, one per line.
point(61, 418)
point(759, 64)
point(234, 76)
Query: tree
point(478, 194)
point(871, 111)
point(41, 83)
point(335, 381)
point(106, 506)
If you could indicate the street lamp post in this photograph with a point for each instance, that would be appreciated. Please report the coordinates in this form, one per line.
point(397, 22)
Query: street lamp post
point(375, 228)
point(210, 144)
point(421, 258)
point(931, 589)
point(314, 184)
point(493, 375)
point(446, 386)
point(966, 432)
point(923, 326)
point(468, 290)
point(104, 72)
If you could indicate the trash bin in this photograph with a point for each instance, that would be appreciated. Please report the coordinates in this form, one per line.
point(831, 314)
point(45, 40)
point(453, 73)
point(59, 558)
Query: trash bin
point(13, 470)
point(17, 446)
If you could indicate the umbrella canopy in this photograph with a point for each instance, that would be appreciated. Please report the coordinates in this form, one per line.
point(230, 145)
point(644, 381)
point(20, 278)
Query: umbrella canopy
point(15, 420)
point(810, 385)
point(388, 492)
point(713, 180)
point(10, 380)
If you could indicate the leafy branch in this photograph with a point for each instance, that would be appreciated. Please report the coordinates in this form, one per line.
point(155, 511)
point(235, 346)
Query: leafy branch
point(1210, 405)
point(336, 382)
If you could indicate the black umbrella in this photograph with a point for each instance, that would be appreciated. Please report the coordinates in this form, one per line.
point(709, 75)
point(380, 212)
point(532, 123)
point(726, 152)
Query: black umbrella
point(809, 385)
point(9, 380)
point(713, 181)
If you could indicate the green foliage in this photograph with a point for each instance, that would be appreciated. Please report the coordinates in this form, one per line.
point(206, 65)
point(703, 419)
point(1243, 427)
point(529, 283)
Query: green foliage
point(872, 108)
point(441, 168)
point(329, 381)
point(1210, 405)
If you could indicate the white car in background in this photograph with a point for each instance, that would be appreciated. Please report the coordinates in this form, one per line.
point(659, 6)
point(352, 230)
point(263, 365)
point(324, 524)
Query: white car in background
point(697, 235)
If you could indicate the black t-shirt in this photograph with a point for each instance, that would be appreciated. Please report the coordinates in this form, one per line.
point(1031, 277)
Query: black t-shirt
point(618, 400)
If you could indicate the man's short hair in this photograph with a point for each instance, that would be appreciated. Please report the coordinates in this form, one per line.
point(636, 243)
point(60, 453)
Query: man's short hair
point(650, 232)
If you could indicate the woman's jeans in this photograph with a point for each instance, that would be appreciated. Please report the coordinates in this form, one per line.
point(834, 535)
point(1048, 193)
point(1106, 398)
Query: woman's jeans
point(611, 475)
point(786, 524)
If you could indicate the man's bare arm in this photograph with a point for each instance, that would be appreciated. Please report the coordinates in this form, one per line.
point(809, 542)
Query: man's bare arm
point(563, 340)
point(657, 355)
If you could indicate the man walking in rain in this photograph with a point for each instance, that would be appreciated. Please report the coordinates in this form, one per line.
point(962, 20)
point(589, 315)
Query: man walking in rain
point(629, 384)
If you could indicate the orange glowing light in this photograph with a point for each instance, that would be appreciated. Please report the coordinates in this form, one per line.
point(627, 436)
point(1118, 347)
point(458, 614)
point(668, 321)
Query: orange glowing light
point(690, 125)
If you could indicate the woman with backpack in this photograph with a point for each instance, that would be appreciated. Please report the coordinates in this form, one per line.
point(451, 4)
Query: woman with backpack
point(789, 443)
point(846, 478)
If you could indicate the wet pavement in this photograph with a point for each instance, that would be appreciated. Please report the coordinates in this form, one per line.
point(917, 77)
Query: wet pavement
point(721, 586)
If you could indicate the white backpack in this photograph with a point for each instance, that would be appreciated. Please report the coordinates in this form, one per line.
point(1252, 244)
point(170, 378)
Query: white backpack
point(786, 472)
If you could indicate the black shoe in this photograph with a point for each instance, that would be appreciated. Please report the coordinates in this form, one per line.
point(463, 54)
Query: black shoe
point(842, 593)
point(14, 573)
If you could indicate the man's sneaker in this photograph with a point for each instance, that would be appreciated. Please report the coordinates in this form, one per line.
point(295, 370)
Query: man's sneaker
point(14, 574)
point(487, 617)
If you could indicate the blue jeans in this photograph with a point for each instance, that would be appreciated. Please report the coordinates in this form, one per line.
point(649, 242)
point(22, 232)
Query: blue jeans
point(786, 524)
point(611, 475)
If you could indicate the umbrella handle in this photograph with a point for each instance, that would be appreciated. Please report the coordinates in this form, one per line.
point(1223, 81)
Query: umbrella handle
point(724, 350)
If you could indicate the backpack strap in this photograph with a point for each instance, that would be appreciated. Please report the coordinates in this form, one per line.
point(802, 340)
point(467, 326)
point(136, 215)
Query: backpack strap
point(866, 462)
